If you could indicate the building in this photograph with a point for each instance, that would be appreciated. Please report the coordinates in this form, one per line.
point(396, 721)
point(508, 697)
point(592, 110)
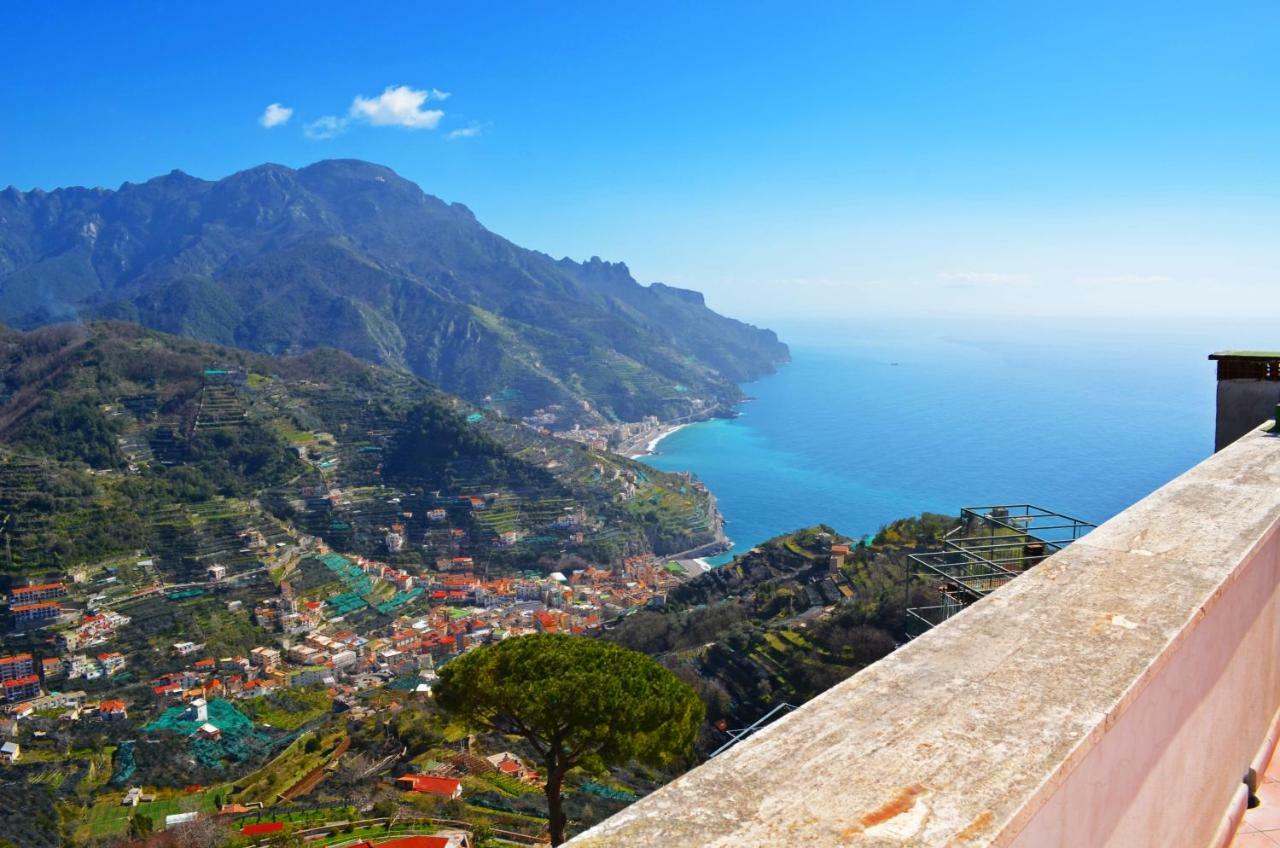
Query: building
point(17, 665)
point(265, 658)
point(112, 710)
point(22, 688)
point(22, 595)
point(217, 572)
point(197, 710)
point(111, 663)
point(441, 787)
point(179, 818)
point(51, 667)
point(10, 752)
point(30, 615)
point(208, 731)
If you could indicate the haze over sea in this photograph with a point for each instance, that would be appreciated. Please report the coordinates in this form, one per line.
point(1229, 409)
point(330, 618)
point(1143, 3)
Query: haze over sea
point(875, 421)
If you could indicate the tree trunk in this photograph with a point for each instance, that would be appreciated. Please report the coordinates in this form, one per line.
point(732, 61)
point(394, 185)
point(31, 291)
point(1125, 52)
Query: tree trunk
point(555, 815)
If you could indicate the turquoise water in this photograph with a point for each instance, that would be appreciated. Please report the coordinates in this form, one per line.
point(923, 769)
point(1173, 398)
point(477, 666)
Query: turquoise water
point(872, 423)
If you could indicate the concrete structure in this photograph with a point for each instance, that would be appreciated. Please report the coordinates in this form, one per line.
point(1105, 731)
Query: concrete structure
point(1116, 695)
point(1248, 391)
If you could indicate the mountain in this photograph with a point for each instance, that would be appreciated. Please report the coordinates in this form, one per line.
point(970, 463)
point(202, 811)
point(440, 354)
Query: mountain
point(348, 254)
point(115, 438)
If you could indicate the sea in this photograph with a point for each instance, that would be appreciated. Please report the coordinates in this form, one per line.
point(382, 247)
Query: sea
point(878, 420)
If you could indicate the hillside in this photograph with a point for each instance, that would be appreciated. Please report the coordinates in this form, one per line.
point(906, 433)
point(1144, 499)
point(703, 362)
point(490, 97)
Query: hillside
point(347, 254)
point(783, 623)
point(114, 438)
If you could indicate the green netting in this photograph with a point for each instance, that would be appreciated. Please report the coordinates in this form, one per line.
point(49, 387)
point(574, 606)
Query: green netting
point(607, 792)
point(239, 741)
point(399, 600)
point(222, 715)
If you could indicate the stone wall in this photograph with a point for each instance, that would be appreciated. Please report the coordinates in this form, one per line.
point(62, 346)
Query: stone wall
point(1113, 696)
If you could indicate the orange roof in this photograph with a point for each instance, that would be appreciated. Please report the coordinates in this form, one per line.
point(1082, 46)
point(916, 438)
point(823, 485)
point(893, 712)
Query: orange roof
point(41, 605)
point(111, 706)
point(21, 681)
point(41, 587)
point(445, 787)
point(409, 842)
point(14, 658)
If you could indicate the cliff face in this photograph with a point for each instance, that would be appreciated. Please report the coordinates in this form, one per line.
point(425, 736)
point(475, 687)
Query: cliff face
point(348, 254)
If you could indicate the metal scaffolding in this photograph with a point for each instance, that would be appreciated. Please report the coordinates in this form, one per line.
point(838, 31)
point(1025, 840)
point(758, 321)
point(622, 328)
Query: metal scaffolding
point(989, 547)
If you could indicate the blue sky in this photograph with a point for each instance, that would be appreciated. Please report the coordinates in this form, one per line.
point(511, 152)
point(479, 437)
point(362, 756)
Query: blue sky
point(789, 159)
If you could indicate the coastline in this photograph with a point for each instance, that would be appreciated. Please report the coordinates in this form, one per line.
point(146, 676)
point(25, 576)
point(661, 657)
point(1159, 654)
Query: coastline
point(651, 447)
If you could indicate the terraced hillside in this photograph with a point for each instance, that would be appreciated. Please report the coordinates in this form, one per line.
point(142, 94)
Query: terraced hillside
point(785, 621)
point(115, 439)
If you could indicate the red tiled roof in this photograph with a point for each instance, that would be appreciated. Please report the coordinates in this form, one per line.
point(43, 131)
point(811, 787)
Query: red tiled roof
point(412, 842)
point(442, 786)
point(262, 827)
point(21, 681)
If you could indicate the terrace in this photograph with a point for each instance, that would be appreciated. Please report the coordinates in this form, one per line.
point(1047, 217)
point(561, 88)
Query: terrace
point(1117, 694)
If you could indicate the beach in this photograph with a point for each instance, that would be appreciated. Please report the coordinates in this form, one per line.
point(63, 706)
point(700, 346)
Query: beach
point(651, 446)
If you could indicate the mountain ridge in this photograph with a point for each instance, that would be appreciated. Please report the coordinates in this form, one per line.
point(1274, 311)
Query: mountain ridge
point(348, 254)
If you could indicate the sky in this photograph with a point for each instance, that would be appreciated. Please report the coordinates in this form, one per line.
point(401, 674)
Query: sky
point(791, 160)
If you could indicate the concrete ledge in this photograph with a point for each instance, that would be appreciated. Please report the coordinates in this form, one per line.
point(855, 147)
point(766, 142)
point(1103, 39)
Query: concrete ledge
point(1113, 696)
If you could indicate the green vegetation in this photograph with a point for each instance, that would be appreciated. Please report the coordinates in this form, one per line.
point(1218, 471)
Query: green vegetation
point(115, 439)
point(288, 709)
point(580, 703)
point(745, 636)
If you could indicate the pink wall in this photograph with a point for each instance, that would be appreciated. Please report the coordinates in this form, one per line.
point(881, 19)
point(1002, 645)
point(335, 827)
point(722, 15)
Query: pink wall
point(1164, 774)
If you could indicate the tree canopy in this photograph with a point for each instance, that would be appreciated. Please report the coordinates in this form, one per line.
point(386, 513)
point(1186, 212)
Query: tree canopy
point(579, 702)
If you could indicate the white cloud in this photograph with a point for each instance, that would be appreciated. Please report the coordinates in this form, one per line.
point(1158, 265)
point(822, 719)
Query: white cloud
point(1126, 280)
point(989, 278)
point(326, 127)
point(469, 131)
point(275, 115)
point(399, 106)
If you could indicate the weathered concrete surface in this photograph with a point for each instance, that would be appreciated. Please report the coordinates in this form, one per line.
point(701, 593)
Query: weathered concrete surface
point(1113, 696)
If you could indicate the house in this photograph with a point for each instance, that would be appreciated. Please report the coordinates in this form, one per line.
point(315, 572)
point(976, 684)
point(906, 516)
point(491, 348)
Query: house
point(35, 594)
point(217, 572)
point(112, 710)
point(51, 667)
point(197, 710)
point(111, 663)
point(509, 764)
point(10, 752)
point(22, 688)
point(265, 658)
point(25, 615)
point(17, 665)
point(208, 731)
point(185, 649)
point(441, 787)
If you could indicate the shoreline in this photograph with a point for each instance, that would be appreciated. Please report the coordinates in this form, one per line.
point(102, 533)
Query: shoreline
point(651, 447)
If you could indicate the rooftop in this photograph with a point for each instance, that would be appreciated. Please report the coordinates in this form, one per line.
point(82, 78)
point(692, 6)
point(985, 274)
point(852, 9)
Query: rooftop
point(1134, 673)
